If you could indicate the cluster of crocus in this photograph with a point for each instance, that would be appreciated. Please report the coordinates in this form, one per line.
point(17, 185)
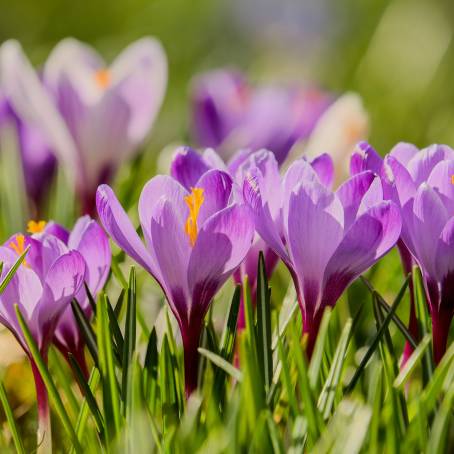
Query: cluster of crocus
point(421, 182)
point(56, 265)
point(93, 117)
point(194, 242)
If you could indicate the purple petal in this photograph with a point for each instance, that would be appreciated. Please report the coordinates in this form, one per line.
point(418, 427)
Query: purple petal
point(324, 168)
point(365, 157)
point(445, 251)
point(117, 224)
point(221, 246)
point(172, 249)
point(92, 243)
point(187, 167)
point(161, 187)
point(351, 194)
point(404, 152)
point(217, 186)
point(52, 228)
point(425, 227)
point(139, 76)
point(369, 238)
point(314, 230)
point(441, 179)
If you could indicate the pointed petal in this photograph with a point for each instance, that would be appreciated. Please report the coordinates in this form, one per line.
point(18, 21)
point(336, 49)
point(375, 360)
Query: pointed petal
point(117, 224)
point(187, 167)
point(404, 152)
point(324, 168)
point(365, 157)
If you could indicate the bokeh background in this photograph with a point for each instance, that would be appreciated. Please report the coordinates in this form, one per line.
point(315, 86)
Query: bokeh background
point(398, 55)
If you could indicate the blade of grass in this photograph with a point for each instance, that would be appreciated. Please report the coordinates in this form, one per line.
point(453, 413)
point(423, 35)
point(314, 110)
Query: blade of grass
point(12, 270)
point(265, 356)
point(11, 421)
point(377, 338)
point(222, 364)
point(86, 330)
point(130, 334)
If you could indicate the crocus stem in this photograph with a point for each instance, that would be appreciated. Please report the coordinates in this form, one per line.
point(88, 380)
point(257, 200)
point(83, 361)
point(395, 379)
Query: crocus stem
point(88, 203)
point(311, 325)
point(191, 360)
point(44, 435)
point(441, 321)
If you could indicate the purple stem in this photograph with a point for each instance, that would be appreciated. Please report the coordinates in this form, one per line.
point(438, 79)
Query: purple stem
point(191, 337)
point(311, 325)
point(441, 321)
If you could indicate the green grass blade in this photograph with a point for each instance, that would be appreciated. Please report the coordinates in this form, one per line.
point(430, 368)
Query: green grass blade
point(381, 331)
point(48, 381)
point(11, 421)
point(12, 270)
point(87, 392)
point(265, 355)
point(86, 330)
point(222, 364)
point(331, 385)
point(130, 334)
point(111, 396)
point(412, 362)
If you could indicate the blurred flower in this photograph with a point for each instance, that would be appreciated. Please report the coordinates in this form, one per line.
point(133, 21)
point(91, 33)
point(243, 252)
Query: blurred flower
point(42, 287)
point(229, 114)
point(94, 116)
point(339, 129)
point(38, 160)
point(421, 182)
point(195, 240)
point(326, 239)
point(87, 238)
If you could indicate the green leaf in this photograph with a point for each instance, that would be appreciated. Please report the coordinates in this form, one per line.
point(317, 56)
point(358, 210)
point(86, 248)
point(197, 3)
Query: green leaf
point(265, 357)
point(87, 392)
point(412, 362)
point(222, 364)
point(12, 270)
point(130, 334)
point(111, 396)
point(86, 330)
point(11, 421)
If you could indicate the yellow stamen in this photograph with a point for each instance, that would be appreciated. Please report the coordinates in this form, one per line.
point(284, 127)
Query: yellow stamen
point(194, 201)
point(18, 246)
point(35, 226)
point(102, 77)
point(452, 179)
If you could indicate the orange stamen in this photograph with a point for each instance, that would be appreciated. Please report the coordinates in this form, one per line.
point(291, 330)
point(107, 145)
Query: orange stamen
point(18, 246)
point(103, 78)
point(194, 201)
point(35, 226)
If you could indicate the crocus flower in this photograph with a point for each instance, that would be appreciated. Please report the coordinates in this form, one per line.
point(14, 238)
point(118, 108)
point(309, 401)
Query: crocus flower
point(364, 158)
point(326, 239)
point(94, 116)
point(38, 160)
point(421, 182)
point(42, 287)
point(92, 243)
point(229, 114)
point(194, 242)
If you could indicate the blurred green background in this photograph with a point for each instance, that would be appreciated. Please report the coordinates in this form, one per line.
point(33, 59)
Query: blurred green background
point(397, 54)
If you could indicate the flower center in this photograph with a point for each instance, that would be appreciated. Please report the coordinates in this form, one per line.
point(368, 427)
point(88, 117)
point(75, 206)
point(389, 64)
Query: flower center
point(35, 226)
point(102, 78)
point(18, 246)
point(194, 201)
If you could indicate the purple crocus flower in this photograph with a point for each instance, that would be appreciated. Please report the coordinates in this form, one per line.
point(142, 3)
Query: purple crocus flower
point(229, 114)
point(421, 182)
point(87, 238)
point(194, 242)
point(325, 238)
point(42, 287)
point(94, 116)
point(38, 160)
point(364, 158)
